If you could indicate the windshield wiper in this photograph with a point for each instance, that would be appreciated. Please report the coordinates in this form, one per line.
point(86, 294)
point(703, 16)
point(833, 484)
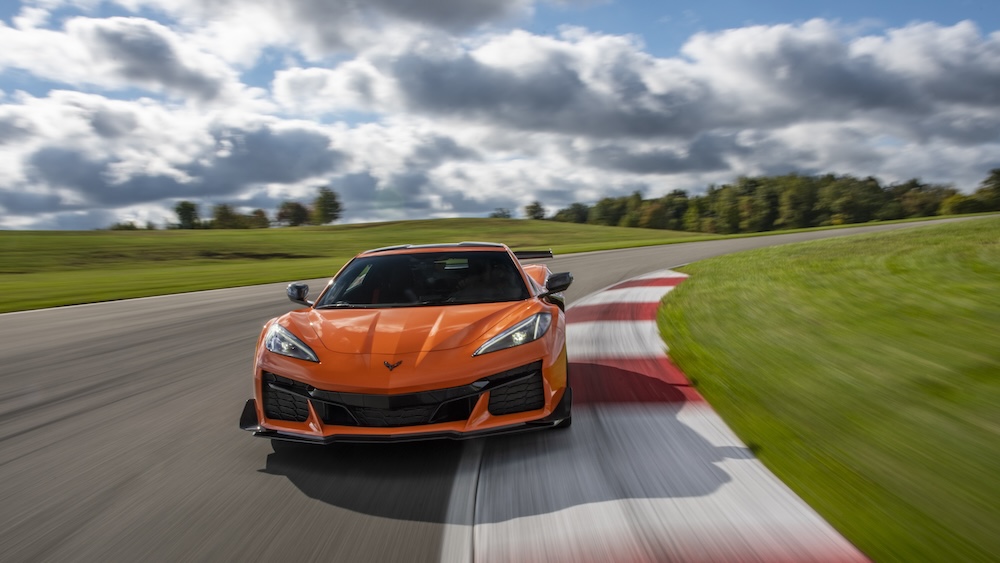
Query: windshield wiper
point(339, 305)
point(428, 303)
point(466, 301)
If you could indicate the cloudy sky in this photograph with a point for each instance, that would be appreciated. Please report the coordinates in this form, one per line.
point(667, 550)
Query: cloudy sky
point(114, 110)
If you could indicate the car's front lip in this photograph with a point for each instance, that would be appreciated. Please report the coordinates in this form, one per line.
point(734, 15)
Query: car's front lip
point(250, 422)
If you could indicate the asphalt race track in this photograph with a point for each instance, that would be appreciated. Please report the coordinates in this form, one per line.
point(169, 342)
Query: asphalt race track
point(119, 442)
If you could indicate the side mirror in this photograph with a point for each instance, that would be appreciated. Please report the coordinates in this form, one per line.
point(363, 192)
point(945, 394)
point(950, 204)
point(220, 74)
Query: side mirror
point(558, 282)
point(297, 293)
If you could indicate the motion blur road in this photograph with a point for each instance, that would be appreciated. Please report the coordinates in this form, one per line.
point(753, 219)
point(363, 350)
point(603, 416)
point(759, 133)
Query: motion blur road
point(120, 443)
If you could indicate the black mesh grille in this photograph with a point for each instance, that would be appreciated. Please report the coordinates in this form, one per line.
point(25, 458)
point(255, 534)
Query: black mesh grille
point(408, 416)
point(279, 405)
point(524, 395)
point(374, 417)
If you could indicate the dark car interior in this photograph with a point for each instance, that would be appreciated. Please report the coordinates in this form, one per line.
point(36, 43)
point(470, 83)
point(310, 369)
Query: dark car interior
point(427, 279)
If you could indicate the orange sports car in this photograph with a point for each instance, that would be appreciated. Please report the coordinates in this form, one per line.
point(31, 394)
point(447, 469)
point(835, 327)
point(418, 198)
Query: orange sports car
point(416, 342)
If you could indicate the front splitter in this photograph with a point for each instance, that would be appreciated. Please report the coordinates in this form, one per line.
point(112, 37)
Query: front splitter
point(250, 423)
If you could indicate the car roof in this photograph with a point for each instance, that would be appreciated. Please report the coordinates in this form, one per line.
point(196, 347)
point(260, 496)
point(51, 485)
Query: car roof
point(407, 248)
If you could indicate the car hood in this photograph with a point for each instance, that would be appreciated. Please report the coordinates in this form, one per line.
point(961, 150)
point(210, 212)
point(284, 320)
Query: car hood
point(404, 330)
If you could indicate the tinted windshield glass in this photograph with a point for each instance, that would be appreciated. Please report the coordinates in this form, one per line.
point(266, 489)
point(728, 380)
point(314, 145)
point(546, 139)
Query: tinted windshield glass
point(438, 278)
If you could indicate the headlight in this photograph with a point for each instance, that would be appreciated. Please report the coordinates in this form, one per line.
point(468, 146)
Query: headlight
point(523, 332)
point(280, 341)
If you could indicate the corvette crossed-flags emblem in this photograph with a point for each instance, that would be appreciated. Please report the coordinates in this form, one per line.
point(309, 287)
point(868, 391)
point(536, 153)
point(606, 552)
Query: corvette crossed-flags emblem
point(392, 366)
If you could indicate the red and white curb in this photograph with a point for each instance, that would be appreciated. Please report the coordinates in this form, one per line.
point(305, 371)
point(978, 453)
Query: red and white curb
point(648, 472)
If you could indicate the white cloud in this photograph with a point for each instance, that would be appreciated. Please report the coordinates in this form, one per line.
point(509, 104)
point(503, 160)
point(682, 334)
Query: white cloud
point(467, 116)
point(354, 85)
point(81, 152)
point(239, 30)
point(31, 17)
point(118, 53)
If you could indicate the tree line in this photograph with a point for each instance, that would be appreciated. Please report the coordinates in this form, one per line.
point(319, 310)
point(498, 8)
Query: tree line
point(790, 201)
point(750, 204)
point(325, 208)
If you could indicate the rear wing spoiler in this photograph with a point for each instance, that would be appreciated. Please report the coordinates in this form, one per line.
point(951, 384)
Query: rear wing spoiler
point(533, 254)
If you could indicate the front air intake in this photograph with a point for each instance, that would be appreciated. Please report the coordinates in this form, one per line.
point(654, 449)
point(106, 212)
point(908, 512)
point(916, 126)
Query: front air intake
point(279, 405)
point(523, 395)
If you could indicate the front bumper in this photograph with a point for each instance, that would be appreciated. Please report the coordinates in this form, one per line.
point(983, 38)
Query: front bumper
point(249, 421)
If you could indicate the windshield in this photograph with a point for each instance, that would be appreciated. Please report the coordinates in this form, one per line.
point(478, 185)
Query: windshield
point(429, 278)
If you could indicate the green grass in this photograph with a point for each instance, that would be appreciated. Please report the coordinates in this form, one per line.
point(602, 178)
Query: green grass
point(49, 268)
point(865, 372)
